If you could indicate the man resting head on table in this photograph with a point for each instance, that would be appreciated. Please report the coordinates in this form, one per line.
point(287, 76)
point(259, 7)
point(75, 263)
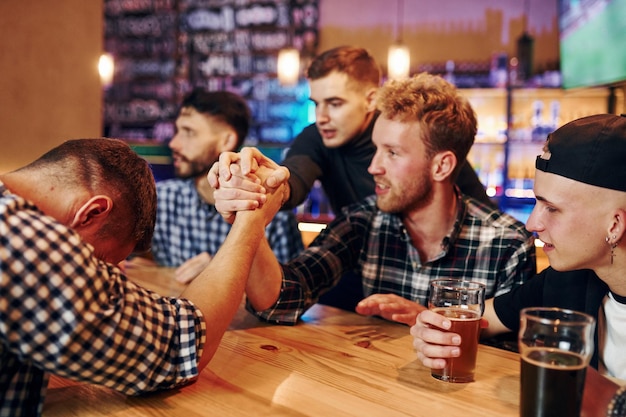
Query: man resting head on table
point(66, 220)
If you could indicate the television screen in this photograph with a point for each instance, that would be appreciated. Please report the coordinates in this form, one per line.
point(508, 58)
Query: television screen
point(592, 42)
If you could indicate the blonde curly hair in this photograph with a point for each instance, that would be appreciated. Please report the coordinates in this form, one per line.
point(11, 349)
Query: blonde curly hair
point(447, 119)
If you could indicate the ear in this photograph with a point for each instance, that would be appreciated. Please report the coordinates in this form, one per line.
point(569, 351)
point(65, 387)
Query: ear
point(229, 142)
point(370, 99)
point(443, 164)
point(618, 226)
point(94, 210)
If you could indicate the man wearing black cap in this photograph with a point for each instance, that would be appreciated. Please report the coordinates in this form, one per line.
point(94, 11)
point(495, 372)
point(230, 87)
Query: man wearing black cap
point(580, 215)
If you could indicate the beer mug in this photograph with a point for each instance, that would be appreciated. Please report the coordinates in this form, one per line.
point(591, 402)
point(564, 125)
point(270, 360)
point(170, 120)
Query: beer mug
point(463, 303)
point(555, 347)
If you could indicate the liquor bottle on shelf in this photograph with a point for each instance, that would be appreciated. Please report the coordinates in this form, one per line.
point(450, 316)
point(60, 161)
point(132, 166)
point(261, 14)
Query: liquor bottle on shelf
point(316, 207)
point(487, 159)
point(537, 121)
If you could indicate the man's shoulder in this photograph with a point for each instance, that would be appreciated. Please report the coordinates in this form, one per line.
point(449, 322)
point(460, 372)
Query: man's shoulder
point(175, 186)
point(307, 152)
point(176, 194)
point(309, 138)
point(367, 204)
point(493, 217)
point(576, 275)
point(173, 183)
point(11, 204)
point(24, 218)
point(310, 131)
point(365, 211)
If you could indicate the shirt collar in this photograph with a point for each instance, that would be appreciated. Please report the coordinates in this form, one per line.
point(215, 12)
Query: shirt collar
point(452, 235)
point(461, 212)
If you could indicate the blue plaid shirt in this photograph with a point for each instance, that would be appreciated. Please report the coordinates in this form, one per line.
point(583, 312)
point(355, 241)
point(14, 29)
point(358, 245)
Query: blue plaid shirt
point(485, 245)
point(63, 311)
point(186, 226)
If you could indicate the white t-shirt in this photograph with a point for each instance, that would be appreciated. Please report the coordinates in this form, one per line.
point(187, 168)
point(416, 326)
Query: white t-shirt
point(613, 342)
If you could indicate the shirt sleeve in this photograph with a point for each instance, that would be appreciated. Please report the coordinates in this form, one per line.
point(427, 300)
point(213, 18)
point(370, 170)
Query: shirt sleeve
point(163, 235)
point(71, 314)
point(508, 306)
point(301, 161)
point(520, 266)
point(316, 270)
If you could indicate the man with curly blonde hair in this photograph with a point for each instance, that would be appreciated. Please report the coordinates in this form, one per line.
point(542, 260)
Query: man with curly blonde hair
point(417, 227)
point(337, 149)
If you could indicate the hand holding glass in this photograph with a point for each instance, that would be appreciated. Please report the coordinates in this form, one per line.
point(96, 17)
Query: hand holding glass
point(463, 303)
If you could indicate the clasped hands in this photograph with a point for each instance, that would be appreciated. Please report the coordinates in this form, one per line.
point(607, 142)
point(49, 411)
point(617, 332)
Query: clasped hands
point(245, 180)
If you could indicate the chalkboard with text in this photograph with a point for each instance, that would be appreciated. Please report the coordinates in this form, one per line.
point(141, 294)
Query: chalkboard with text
point(164, 48)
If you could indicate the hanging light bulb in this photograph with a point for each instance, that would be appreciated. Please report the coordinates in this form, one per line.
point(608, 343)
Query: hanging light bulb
point(106, 68)
point(398, 61)
point(399, 56)
point(288, 66)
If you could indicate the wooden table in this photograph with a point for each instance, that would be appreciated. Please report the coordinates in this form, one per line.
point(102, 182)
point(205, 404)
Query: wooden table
point(334, 363)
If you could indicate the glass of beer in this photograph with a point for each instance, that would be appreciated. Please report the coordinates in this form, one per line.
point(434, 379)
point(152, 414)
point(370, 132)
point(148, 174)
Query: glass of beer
point(555, 347)
point(463, 303)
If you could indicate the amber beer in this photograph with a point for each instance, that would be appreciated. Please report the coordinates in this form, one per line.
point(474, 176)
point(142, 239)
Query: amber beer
point(466, 323)
point(543, 370)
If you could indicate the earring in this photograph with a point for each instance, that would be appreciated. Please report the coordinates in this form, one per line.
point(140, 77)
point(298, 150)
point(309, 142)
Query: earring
point(613, 246)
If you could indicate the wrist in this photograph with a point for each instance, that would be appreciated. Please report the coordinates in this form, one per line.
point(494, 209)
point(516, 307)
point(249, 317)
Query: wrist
point(286, 194)
point(617, 406)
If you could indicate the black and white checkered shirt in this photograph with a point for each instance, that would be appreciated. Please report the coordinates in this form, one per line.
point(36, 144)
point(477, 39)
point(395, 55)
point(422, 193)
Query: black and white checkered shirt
point(187, 226)
point(63, 311)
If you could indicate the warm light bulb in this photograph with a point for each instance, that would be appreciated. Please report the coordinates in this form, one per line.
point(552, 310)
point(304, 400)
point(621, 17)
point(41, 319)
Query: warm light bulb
point(288, 66)
point(106, 68)
point(399, 61)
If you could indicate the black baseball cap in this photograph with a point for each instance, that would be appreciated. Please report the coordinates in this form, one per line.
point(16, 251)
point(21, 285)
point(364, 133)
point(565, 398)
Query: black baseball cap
point(591, 149)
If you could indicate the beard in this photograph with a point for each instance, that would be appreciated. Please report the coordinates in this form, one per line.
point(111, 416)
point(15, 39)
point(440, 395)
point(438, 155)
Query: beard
point(190, 169)
point(415, 194)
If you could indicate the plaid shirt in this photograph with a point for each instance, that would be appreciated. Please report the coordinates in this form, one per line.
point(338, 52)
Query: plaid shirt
point(186, 226)
point(485, 245)
point(63, 311)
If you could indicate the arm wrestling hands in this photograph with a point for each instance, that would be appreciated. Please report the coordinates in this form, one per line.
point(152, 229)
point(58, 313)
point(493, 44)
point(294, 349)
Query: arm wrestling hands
point(236, 178)
point(247, 182)
point(238, 187)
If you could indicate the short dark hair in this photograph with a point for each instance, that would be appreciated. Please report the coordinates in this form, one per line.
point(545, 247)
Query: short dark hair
point(109, 166)
point(357, 63)
point(224, 105)
point(591, 150)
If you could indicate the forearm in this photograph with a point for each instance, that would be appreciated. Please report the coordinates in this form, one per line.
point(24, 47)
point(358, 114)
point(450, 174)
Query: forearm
point(599, 392)
point(303, 173)
point(297, 192)
point(265, 280)
point(218, 290)
point(496, 327)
